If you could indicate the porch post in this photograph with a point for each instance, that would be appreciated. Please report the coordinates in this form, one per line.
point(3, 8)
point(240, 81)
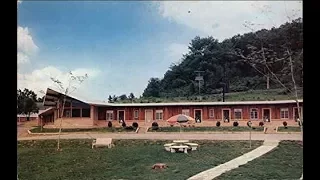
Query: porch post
point(166, 113)
point(80, 112)
point(71, 109)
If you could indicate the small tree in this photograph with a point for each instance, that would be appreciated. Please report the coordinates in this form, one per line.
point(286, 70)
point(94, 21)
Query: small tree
point(123, 97)
point(110, 124)
point(110, 99)
point(66, 90)
point(135, 125)
point(124, 124)
point(131, 97)
point(114, 98)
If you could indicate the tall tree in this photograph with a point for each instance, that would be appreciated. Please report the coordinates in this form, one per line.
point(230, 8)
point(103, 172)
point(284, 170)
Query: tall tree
point(153, 88)
point(26, 102)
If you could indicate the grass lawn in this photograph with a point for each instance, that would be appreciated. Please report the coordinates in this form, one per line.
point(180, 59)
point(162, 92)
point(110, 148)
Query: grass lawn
point(289, 129)
point(56, 130)
point(129, 159)
point(284, 162)
point(203, 129)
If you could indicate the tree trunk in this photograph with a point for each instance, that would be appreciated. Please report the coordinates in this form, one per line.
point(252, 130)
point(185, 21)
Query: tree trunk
point(268, 82)
point(296, 99)
point(60, 126)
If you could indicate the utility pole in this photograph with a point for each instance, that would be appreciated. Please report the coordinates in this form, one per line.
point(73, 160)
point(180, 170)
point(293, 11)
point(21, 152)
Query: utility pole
point(199, 78)
point(223, 91)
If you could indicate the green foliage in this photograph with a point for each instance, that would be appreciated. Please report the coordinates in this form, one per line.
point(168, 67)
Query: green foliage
point(131, 96)
point(221, 63)
point(110, 99)
point(123, 97)
point(153, 88)
point(26, 102)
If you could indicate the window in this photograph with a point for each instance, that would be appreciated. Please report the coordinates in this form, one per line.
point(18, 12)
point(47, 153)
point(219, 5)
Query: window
point(136, 114)
point(284, 113)
point(238, 113)
point(211, 113)
point(109, 115)
point(85, 112)
point(75, 112)
point(254, 114)
point(159, 114)
point(186, 112)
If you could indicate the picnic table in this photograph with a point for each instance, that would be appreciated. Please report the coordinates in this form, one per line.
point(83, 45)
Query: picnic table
point(180, 145)
point(183, 148)
point(180, 141)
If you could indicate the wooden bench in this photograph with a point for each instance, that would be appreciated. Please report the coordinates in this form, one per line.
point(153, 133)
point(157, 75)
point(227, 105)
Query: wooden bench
point(102, 142)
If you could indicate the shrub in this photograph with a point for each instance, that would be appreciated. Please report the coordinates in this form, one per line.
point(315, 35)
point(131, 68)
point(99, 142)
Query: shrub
point(218, 123)
point(155, 126)
point(109, 124)
point(129, 128)
point(261, 123)
point(124, 124)
point(235, 123)
point(135, 125)
point(248, 124)
point(285, 124)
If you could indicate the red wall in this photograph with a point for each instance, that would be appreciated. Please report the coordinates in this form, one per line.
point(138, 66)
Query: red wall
point(169, 111)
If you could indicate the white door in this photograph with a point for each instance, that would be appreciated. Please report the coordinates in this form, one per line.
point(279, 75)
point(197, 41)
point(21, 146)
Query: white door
point(148, 115)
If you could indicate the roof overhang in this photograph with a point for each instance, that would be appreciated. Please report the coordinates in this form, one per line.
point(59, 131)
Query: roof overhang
point(195, 103)
point(52, 96)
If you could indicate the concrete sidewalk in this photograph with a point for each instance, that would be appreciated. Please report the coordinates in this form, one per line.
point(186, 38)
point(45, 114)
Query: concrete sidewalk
point(241, 160)
point(171, 136)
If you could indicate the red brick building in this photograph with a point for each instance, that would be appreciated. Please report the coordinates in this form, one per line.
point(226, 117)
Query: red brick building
point(98, 113)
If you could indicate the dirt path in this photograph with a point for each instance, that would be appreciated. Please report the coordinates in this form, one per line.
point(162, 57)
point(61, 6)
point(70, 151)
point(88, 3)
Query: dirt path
point(172, 136)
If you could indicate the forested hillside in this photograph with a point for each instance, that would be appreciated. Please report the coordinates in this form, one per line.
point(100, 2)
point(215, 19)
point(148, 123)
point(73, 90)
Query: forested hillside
point(257, 60)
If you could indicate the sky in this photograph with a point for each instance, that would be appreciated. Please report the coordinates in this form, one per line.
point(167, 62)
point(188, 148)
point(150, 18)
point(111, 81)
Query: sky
point(121, 45)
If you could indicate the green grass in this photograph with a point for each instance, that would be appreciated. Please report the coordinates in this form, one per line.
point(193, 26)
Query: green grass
point(129, 159)
point(284, 162)
point(289, 129)
point(204, 129)
point(56, 130)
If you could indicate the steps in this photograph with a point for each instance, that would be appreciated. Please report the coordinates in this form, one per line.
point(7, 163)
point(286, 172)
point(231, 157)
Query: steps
point(142, 130)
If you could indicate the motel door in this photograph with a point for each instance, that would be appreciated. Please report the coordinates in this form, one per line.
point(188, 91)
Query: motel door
point(149, 115)
point(121, 115)
point(197, 115)
point(266, 115)
point(226, 114)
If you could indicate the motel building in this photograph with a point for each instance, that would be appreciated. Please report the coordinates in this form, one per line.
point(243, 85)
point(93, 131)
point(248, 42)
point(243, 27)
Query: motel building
point(83, 113)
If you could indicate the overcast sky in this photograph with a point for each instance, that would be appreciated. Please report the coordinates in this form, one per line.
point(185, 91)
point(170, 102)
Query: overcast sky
point(121, 45)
